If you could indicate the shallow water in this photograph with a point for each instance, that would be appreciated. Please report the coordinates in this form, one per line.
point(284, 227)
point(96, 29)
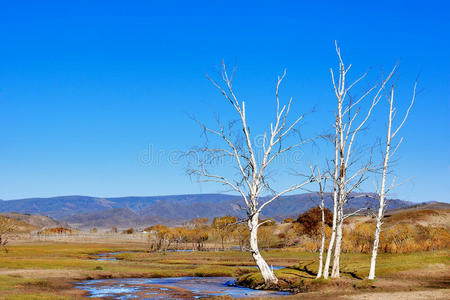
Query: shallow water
point(170, 288)
point(272, 267)
point(262, 249)
point(105, 256)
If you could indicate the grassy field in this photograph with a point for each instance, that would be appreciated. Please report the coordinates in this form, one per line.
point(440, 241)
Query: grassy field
point(48, 270)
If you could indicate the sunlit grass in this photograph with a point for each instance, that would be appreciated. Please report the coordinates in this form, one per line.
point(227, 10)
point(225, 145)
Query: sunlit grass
point(77, 259)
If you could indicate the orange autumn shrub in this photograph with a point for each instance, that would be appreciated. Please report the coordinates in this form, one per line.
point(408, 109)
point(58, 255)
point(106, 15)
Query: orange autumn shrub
point(433, 238)
point(400, 238)
point(359, 239)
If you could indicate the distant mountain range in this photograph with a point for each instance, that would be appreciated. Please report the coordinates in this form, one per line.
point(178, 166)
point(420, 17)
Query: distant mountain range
point(87, 212)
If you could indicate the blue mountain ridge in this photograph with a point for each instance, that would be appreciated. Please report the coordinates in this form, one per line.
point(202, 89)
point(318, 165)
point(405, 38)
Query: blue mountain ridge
point(178, 207)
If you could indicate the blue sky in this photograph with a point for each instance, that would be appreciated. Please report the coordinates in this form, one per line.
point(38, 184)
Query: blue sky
point(87, 87)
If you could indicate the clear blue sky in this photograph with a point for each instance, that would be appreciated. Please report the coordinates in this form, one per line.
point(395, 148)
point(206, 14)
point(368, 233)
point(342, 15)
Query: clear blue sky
point(86, 87)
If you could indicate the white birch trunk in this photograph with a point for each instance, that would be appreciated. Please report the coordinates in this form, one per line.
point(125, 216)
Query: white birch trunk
point(376, 242)
point(390, 134)
point(382, 198)
point(340, 185)
point(322, 245)
point(267, 274)
point(335, 273)
point(335, 202)
point(330, 249)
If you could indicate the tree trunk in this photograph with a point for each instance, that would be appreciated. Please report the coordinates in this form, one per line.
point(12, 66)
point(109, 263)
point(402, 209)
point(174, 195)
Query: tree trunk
point(330, 250)
point(322, 245)
point(267, 274)
point(382, 198)
point(335, 202)
point(337, 250)
point(376, 242)
point(326, 269)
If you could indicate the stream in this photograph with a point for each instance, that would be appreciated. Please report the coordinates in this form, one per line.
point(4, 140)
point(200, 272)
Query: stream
point(106, 256)
point(170, 288)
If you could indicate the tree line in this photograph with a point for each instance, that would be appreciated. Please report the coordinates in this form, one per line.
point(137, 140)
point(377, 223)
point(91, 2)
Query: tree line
point(303, 233)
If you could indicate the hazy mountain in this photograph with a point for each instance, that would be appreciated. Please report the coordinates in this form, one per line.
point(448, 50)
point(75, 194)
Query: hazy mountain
point(84, 211)
point(57, 207)
point(34, 220)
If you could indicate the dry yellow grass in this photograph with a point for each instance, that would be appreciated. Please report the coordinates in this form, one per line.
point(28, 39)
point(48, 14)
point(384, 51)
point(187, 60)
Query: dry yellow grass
point(46, 270)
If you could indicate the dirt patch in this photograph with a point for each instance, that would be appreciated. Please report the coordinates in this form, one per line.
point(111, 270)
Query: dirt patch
point(48, 273)
point(428, 272)
point(412, 295)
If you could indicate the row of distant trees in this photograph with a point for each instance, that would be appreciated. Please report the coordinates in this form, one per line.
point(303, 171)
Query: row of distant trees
point(195, 233)
point(304, 233)
point(221, 233)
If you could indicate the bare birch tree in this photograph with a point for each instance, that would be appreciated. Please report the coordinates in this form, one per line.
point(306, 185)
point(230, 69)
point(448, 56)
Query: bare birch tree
point(387, 155)
point(250, 161)
point(349, 122)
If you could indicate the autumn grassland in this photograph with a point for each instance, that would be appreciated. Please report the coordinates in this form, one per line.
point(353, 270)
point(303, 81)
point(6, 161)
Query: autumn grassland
point(37, 269)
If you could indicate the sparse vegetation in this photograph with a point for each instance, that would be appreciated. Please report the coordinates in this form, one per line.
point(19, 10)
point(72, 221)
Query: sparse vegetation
point(223, 228)
point(49, 269)
point(414, 245)
point(57, 231)
point(128, 231)
point(7, 226)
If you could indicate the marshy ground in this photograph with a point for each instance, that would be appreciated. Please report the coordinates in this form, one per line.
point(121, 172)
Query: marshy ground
point(50, 270)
